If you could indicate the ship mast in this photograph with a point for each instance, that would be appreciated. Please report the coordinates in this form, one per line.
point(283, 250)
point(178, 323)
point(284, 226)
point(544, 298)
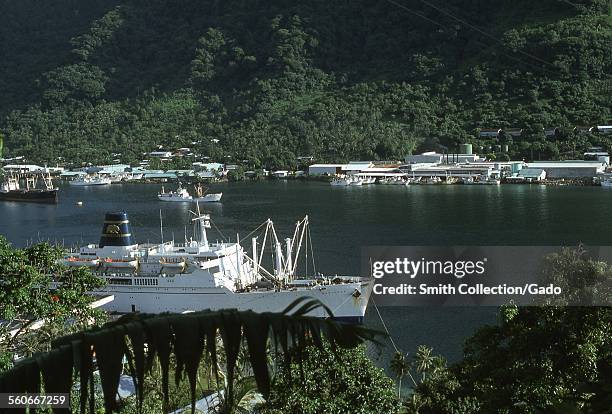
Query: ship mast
point(285, 265)
point(203, 223)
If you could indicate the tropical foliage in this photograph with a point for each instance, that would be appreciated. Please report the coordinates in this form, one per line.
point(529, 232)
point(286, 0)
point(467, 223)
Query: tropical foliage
point(38, 309)
point(187, 339)
point(331, 382)
point(260, 83)
point(540, 359)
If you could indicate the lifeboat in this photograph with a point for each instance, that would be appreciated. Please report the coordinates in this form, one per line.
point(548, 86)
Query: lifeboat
point(169, 266)
point(75, 261)
point(121, 264)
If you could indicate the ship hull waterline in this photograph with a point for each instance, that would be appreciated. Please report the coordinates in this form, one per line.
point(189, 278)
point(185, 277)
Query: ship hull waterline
point(346, 305)
point(47, 197)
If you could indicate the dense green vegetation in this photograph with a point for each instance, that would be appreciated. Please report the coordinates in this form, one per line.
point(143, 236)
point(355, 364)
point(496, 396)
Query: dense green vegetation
point(273, 80)
point(538, 359)
point(26, 297)
point(346, 382)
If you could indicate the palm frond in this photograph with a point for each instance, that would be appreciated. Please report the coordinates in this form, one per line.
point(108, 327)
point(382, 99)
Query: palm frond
point(142, 338)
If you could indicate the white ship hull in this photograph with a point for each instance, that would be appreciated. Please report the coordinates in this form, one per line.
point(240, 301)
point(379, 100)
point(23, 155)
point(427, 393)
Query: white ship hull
point(174, 198)
point(198, 275)
point(209, 198)
point(341, 299)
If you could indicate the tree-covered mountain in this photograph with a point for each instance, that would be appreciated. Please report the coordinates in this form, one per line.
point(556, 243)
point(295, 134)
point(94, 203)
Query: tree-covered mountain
point(267, 81)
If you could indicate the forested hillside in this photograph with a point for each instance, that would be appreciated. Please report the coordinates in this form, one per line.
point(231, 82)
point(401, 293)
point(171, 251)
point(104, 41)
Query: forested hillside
point(273, 80)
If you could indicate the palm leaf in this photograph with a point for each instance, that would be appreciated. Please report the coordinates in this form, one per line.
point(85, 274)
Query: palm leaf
point(187, 337)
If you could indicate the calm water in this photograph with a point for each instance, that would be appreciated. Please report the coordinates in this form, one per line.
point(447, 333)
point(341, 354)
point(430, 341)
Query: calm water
point(342, 221)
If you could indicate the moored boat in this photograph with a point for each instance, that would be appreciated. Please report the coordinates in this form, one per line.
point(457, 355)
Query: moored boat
point(11, 190)
point(197, 275)
point(90, 180)
point(181, 194)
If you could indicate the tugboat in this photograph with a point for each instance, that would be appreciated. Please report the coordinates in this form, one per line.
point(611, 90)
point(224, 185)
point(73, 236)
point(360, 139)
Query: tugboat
point(198, 274)
point(11, 190)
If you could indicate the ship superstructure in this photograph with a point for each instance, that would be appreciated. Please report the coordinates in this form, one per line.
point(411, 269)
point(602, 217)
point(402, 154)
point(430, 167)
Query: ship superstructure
point(11, 189)
point(198, 274)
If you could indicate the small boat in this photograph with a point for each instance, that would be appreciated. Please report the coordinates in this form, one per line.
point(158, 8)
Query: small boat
point(356, 182)
point(180, 194)
point(202, 197)
point(429, 180)
point(173, 265)
point(75, 261)
point(481, 181)
point(90, 180)
point(607, 183)
point(120, 264)
point(341, 181)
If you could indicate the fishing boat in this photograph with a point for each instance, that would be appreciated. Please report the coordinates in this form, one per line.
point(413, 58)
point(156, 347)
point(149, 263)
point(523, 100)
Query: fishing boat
point(197, 274)
point(355, 181)
point(90, 180)
point(203, 197)
point(341, 181)
point(11, 189)
point(181, 195)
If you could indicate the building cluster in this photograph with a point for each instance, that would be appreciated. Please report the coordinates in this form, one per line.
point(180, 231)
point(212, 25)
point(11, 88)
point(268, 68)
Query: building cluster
point(124, 172)
point(467, 165)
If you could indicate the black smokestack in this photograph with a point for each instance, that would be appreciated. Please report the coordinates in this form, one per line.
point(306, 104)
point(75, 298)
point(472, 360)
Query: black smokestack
point(116, 230)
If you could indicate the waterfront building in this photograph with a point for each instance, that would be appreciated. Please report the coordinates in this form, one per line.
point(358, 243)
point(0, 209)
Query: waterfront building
point(532, 175)
point(354, 167)
point(432, 157)
point(569, 169)
point(325, 169)
point(23, 168)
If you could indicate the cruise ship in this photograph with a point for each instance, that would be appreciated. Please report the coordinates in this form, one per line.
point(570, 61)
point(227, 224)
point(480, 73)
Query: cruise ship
point(197, 274)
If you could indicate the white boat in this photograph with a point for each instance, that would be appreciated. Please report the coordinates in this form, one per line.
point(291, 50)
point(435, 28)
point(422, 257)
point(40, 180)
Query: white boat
point(90, 180)
point(197, 275)
point(180, 194)
point(367, 180)
point(340, 181)
point(429, 180)
point(355, 181)
point(203, 197)
point(74, 261)
point(607, 183)
point(488, 181)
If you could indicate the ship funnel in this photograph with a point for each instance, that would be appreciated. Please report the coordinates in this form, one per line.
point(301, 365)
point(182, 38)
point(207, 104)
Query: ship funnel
point(116, 230)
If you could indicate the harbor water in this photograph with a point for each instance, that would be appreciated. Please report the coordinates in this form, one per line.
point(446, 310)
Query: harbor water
point(343, 220)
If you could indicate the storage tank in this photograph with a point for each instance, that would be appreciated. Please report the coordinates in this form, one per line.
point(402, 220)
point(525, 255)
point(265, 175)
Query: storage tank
point(465, 149)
